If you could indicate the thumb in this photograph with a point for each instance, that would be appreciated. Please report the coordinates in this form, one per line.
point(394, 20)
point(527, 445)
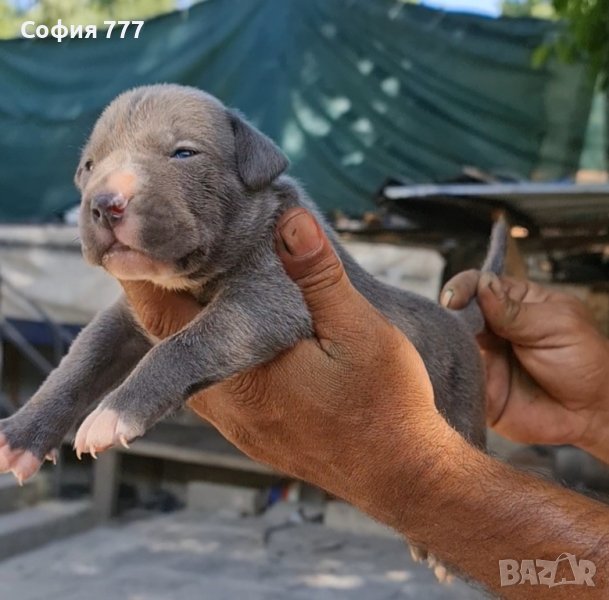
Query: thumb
point(509, 318)
point(312, 263)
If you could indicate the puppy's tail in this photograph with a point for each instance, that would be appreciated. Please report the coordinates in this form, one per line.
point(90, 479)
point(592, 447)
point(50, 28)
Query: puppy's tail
point(495, 263)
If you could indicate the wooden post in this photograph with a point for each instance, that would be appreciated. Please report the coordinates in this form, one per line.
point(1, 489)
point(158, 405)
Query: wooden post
point(106, 481)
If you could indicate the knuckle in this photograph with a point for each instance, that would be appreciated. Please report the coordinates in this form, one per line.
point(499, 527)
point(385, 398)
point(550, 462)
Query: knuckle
point(512, 312)
point(248, 389)
point(326, 273)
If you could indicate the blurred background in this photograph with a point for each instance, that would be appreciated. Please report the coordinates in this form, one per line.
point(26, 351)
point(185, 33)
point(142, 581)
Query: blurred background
point(412, 124)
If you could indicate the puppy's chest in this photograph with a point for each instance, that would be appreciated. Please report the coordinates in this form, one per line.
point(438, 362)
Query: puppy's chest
point(249, 288)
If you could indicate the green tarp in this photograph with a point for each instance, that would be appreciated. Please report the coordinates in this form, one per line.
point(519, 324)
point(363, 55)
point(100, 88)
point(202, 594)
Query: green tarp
point(594, 152)
point(354, 90)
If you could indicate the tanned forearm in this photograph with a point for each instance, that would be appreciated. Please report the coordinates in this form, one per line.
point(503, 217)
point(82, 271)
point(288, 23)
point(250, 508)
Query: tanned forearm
point(472, 511)
point(352, 412)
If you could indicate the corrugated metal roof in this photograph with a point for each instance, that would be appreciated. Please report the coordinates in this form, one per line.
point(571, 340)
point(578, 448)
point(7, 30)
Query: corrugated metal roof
point(546, 210)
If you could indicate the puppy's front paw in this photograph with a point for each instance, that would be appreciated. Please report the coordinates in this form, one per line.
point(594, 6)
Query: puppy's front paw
point(21, 463)
point(101, 430)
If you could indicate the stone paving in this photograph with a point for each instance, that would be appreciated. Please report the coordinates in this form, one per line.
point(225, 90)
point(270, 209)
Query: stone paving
point(202, 556)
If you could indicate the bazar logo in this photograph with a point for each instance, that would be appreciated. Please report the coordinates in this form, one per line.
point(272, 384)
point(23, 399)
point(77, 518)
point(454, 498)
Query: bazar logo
point(565, 570)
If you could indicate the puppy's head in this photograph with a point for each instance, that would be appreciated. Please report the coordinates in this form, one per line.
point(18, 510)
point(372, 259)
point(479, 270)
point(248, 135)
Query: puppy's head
point(167, 177)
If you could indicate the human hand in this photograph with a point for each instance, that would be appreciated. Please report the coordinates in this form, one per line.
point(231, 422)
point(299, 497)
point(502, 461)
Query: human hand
point(347, 409)
point(547, 364)
point(351, 410)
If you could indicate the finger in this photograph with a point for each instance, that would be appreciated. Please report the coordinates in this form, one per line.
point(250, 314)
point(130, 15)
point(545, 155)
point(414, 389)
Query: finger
point(161, 312)
point(499, 370)
point(507, 314)
point(523, 290)
point(532, 417)
point(460, 289)
point(310, 260)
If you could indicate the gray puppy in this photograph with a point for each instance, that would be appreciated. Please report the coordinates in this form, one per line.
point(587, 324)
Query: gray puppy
point(179, 190)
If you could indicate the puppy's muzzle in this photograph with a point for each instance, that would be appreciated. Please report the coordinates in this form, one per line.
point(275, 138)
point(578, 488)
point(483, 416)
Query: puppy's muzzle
point(107, 209)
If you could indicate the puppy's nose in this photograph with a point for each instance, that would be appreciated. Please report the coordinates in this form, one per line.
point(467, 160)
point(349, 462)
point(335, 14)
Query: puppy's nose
point(108, 208)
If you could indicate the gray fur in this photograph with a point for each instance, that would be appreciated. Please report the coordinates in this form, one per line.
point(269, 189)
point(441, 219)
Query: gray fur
point(100, 358)
point(259, 161)
point(212, 218)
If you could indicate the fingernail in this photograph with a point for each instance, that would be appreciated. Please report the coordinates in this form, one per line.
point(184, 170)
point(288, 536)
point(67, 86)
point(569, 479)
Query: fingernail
point(447, 296)
point(491, 281)
point(300, 234)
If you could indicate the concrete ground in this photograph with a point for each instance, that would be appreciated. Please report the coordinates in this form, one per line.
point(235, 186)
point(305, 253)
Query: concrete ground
point(203, 556)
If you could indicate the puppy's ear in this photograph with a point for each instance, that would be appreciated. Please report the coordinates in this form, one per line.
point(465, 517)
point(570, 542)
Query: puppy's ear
point(259, 160)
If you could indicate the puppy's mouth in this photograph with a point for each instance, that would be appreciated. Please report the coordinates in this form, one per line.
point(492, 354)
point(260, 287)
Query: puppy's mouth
point(117, 251)
point(130, 264)
point(117, 248)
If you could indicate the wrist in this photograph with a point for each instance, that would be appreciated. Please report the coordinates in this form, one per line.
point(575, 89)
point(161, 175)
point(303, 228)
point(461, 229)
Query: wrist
point(401, 491)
